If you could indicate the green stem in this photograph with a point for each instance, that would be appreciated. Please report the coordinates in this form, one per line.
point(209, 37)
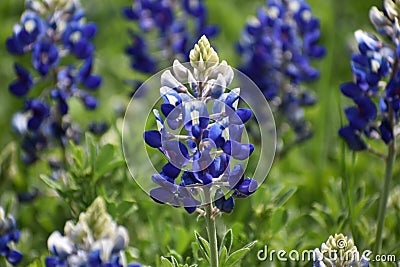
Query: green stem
point(385, 195)
point(350, 195)
point(212, 232)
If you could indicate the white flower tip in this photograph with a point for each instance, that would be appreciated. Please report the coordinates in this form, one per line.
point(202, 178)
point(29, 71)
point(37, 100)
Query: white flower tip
point(59, 245)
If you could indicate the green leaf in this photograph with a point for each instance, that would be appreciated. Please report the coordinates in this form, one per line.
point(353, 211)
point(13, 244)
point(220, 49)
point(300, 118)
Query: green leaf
point(106, 168)
point(50, 182)
point(174, 254)
point(222, 255)
point(236, 256)
point(204, 245)
point(174, 261)
point(91, 151)
point(105, 155)
point(226, 241)
point(282, 199)
point(77, 155)
point(251, 244)
point(195, 251)
point(166, 262)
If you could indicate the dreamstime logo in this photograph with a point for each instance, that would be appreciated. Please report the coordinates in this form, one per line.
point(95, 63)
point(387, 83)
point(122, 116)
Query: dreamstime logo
point(341, 243)
point(266, 254)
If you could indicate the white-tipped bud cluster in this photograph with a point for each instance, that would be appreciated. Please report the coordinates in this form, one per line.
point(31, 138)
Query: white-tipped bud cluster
point(41, 6)
point(339, 250)
point(203, 56)
point(94, 231)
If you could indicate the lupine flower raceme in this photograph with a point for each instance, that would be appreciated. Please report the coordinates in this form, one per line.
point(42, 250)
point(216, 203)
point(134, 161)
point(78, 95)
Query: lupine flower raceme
point(9, 235)
point(376, 82)
point(95, 240)
point(54, 34)
point(164, 30)
point(277, 47)
point(200, 130)
point(339, 250)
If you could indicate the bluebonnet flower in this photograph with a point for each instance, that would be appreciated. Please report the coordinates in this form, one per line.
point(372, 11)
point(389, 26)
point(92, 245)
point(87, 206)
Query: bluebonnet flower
point(51, 32)
point(374, 89)
point(165, 30)
point(209, 155)
point(95, 240)
point(339, 250)
point(277, 48)
point(9, 234)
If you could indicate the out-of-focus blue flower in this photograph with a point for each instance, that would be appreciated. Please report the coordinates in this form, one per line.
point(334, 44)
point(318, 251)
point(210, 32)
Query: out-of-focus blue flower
point(165, 30)
point(52, 33)
point(77, 38)
point(95, 240)
point(375, 87)
point(277, 47)
point(44, 56)
point(9, 235)
point(27, 32)
point(207, 154)
point(24, 82)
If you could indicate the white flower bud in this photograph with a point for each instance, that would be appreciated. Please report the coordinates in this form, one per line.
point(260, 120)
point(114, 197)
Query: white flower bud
point(60, 245)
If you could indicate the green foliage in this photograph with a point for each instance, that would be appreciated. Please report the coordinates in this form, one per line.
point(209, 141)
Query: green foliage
point(88, 166)
point(226, 257)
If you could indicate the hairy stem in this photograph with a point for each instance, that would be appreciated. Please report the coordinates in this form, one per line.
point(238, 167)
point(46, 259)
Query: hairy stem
point(212, 232)
point(385, 195)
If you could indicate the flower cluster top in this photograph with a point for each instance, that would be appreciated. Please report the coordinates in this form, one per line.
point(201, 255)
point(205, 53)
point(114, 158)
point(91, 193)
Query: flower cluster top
point(375, 87)
point(9, 234)
point(95, 240)
point(200, 130)
point(277, 47)
point(165, 30)
point(57, 38)
point(339, 251)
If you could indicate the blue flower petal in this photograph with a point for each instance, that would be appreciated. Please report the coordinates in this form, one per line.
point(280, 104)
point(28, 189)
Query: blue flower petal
point(241, 116)
point(237, 150)
point(14, 257)
point(153, 138)
point(353, 139)
point(170, 170)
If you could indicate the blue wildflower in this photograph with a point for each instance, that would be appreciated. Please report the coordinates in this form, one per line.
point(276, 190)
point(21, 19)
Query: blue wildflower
point(177, 25)
point(375, 87)
point(44, 56)
point(201, 159)
point(25, 33)
point(9, 234)
point(77, 38)
point(95, 240)
point(277, 48)
point(54, 34)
